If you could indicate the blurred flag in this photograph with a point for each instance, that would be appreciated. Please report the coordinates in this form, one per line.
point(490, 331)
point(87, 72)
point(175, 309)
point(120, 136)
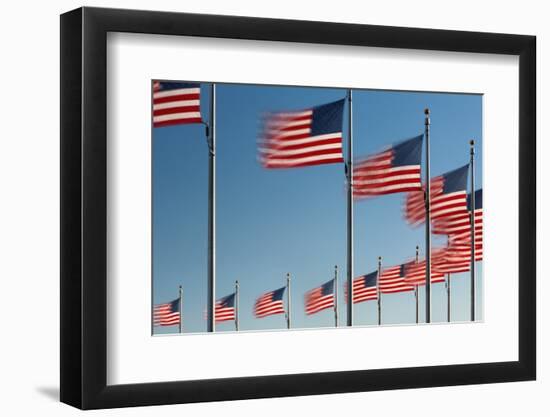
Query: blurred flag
point(320, 298)
point(176, 103)
point(302, 138)
point(167, 314)
point(364, 288)
point(459, 223)
point(395, 170)
point(270, 303)
point(452, 259)
point(447, 197)
point(392, 280)
point(415, 272)
point(225, 308)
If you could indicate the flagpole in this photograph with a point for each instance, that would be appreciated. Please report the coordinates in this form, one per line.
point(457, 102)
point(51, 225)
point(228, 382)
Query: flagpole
point(416, 289)
point(237, 305)
point(448, 297)
point(335, 292)
point(349, 172)
point(288, 311)
point(181, 308)
point(378, 295)
point(428, 221)
point(472, 235)
point(212, 211)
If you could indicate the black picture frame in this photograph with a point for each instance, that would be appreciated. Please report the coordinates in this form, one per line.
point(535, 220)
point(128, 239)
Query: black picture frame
point(84, 207)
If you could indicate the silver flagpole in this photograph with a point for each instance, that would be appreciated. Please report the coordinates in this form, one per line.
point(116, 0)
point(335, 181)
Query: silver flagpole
point(349, 172)
point(416, 289)
point(288, 310)
point(181, 309)
point(449, 297)
point(335, 292)
point(428, 221)
point(211, 297)
point(237, 306)
point(378, 294)
point(472, 234)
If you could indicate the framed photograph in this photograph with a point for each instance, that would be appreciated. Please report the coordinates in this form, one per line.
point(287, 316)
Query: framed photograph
point(258, 208)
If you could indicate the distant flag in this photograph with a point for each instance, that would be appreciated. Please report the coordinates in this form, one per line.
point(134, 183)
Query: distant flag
point(270, 303)
point(176, 103)
point(447, 197)
point(167, 314)
point(225, 308)
point(392, 280)
point(364, 288)
point(320, 298)
point(415, 272)
point(302, 138)
point(394, 170)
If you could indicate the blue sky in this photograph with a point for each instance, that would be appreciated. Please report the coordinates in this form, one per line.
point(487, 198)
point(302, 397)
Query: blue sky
point(270, 222)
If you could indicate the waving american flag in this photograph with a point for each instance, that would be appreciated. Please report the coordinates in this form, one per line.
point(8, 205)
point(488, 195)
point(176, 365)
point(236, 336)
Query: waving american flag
point(394, 170)
point(270, 303)
point(167, 314)
point(447, 197)
point(302, 138)
point(176, 103)
point(320, 298)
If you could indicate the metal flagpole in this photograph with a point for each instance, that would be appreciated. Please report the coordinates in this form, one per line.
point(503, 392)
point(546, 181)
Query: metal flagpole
point(211, 297)
point(335, 292)
point(237, 305)
point(349, 174)
point(472, 235)
point(449, 297)
point(428, 221)
point(181, 309)
point(378, 294)
point(416, 289)
point(288, 311)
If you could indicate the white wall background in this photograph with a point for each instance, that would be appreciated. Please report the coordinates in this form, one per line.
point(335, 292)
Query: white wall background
point(29, 206)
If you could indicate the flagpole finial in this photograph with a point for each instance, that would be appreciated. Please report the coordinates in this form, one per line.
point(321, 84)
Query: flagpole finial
point(427, 111)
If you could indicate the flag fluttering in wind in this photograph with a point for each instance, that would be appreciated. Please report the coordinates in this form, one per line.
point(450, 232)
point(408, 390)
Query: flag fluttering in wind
point(394, 170)
point(176, 103)
point(302, 138)
point(320, 298)
point(415, 272)
point(459, 224)
point(167, 314)
point(270, 303)
point(365, 288)
point(225, 308)
point(447, 197)
point(463, 237)
point(392, 280)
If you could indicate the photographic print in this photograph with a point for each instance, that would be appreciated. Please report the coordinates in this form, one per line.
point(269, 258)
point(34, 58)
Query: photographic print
point(269, 200)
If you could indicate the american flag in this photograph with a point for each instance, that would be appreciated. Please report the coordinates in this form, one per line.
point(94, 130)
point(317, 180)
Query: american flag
point(447, 197)
point(167, 314)
point(176, 103)
point(394, 170)
point(365, 288)
point(301, 138)
point(320, 298)
point(392, 280)
point(415, 273)
point(452, 259)
point(225, 308)
point(459, 223)
point(270, 303)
